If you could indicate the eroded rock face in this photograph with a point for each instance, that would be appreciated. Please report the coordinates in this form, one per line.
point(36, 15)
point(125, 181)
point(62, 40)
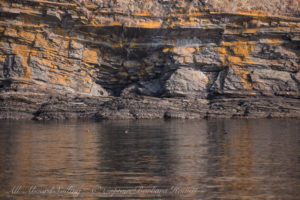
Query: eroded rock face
point(12, 66)
point(186, 82)
point(201, 56)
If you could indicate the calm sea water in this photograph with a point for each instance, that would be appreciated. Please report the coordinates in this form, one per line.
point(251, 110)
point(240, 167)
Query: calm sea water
point(152, 159)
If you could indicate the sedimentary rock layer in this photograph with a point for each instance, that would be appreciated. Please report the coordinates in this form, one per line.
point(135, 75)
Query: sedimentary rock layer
point(151, 59)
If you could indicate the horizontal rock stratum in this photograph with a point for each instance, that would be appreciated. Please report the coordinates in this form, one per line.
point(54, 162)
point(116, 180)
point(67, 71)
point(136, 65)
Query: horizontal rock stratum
point(120, 59)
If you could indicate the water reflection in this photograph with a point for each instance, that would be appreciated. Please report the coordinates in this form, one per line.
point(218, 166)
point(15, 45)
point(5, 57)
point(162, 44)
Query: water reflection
point(256, 159)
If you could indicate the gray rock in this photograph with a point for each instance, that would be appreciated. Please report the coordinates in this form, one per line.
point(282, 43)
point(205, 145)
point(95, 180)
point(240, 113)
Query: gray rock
point(54, 13)
point(186, 82)
point(233, 81)
point(271, 80)
point(39, 71)
point(97, 90)
point(13, 66)
point(296, 78)
point(76, 50)
point(207, 55)
point(228, 81)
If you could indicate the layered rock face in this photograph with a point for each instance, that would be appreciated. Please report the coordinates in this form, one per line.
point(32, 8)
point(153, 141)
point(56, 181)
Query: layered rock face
point(149, 59)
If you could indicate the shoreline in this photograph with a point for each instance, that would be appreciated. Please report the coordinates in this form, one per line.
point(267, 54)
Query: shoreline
point(43, 106)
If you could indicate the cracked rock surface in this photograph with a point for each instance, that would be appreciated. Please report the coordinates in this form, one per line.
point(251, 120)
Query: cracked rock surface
point(64, 59)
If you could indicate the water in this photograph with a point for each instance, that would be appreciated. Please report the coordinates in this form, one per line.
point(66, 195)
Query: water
point(156, 159)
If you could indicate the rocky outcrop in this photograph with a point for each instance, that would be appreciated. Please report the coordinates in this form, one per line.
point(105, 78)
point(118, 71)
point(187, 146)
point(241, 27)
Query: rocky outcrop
point(151, 59)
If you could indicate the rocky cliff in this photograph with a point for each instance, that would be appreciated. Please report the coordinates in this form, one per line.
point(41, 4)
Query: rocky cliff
point(149, 59)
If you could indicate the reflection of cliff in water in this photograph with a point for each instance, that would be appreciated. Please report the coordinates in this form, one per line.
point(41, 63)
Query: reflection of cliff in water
point(255, 159)
point(142, 153)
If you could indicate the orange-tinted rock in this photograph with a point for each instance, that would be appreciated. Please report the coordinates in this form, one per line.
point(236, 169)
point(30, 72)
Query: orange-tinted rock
point(191, 49)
